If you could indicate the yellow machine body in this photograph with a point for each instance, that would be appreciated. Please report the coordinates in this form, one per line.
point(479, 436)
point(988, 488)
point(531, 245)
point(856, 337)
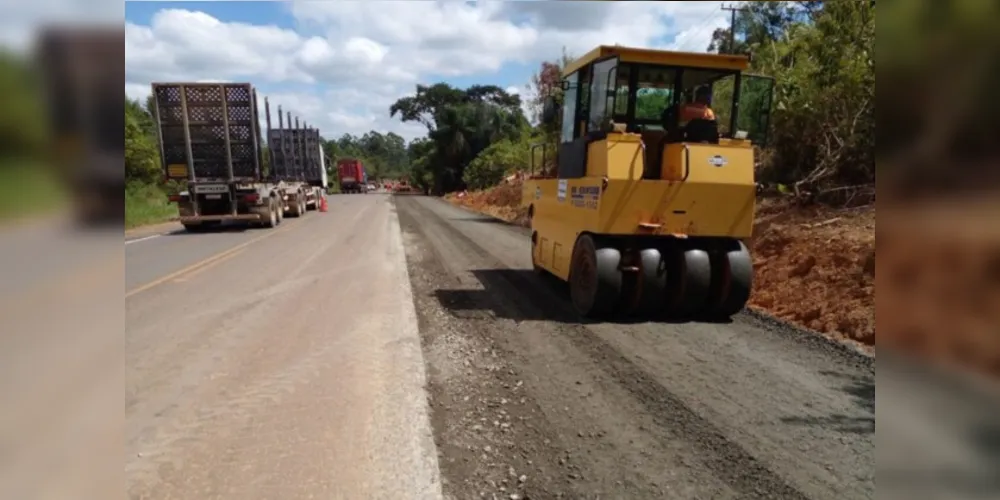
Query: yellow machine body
point(690, 197)
point(717, 198)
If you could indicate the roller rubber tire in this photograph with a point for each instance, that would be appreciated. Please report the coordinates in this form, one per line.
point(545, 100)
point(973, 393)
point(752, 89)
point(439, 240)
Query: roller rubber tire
point(652, 277)
point(732, 281)
point(595, 280)
point(691, 283)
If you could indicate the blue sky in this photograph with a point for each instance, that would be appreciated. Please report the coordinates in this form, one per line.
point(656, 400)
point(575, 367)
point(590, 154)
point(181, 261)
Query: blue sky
point(341, 64)
point(234, 11)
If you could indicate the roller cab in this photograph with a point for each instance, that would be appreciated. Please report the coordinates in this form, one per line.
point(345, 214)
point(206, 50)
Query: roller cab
point(651, 198)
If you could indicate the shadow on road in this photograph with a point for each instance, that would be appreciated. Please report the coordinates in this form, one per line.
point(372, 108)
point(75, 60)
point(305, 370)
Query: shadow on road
point(954, 449)
point(533, 297)
point(228, 228)
point(861, 389)
point(483, 219)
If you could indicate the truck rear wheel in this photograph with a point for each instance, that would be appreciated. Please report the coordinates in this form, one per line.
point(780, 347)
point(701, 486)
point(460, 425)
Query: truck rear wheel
point(295, 209)
point(272, 214)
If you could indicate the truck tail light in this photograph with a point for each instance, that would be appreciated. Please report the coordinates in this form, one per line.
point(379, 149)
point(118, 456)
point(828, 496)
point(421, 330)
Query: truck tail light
point(251, 198)
point(174, 198)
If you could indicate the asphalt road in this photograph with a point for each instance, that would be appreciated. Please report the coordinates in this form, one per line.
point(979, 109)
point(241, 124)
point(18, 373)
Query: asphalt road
point(400, 347)
point(279, 363)
point(603, 410)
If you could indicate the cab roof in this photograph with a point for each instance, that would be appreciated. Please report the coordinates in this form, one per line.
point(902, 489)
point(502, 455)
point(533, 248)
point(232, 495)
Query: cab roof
point(661, 57)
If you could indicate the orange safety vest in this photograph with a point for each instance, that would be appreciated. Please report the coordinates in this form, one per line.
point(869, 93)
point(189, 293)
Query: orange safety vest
point(696, 111)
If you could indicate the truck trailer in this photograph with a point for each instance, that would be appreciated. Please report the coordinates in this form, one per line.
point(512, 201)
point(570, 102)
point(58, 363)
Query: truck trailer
point(79, 75)
point(210, 142)
point(352, 176)
point(296, 162)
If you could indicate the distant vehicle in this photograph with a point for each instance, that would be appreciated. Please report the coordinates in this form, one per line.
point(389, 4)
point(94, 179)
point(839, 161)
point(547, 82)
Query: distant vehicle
point(352, 176)
point(297, 162)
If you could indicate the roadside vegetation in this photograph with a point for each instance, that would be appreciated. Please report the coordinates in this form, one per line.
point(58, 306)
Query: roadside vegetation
point(28, 184)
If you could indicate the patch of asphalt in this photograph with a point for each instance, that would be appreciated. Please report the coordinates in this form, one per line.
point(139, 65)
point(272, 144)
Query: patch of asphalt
point(595, 420)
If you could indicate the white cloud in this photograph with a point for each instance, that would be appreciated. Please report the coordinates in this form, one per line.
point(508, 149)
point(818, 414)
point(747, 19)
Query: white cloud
point(21, 20)
point(137, 91)
point(347, 62)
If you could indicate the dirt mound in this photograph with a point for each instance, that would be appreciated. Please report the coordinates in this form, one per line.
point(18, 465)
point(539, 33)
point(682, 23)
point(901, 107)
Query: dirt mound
point(502, 202)
point(940, 282)
point(816, 267)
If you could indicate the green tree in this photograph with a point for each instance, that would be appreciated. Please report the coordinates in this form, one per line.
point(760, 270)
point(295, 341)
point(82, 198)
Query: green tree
point(460, 124)
point(547, 82)
point(383, 155)
point(22, 122)
point(142, 158)
point(821, 55)
point(421, 154)
point(496, 162)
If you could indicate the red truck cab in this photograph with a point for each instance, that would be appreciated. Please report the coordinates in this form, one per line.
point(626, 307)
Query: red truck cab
point(352, 176)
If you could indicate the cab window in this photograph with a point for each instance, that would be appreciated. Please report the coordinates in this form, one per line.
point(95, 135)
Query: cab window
point(569, 107)
point(602, 94)
point(654, 93)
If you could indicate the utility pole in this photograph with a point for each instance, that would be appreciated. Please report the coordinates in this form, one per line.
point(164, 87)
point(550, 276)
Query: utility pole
point(732, 26)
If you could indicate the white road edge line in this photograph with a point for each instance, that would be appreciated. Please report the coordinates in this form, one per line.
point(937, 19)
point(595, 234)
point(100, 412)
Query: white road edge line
point(137, 240)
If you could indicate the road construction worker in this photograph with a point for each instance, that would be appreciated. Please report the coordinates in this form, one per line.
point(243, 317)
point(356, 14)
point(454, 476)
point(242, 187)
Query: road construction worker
point(700, 108)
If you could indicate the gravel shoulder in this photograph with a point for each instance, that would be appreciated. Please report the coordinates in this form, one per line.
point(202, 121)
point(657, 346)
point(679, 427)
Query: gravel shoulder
point(528, 401)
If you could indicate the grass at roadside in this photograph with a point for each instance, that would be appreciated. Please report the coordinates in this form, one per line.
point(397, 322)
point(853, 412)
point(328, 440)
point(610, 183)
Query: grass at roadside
point(28, 188)
point(146, 204)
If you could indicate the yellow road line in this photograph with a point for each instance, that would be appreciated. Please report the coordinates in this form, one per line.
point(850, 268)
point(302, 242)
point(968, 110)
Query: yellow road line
point(204, 262)
point(210, 265)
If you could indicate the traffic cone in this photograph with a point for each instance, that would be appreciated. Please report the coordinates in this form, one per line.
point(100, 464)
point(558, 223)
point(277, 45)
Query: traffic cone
point(322, 204)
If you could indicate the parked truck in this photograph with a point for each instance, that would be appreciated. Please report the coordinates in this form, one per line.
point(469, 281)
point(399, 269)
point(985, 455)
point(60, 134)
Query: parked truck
point(352, 176)
point(210, 142)
point(296, 156)
point(81, 82)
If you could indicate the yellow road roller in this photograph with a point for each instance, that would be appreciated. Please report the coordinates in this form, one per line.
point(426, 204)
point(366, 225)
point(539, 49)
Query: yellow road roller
point(649, 202)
